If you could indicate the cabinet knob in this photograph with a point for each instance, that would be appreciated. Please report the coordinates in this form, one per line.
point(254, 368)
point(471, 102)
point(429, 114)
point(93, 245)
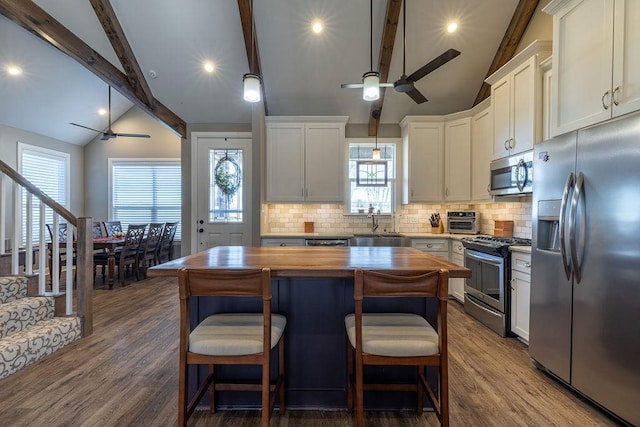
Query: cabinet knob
point(506, 145)
point(606, 105)
point(429, 245)
point(283, 244)
point(527, 264)
point(512, 143)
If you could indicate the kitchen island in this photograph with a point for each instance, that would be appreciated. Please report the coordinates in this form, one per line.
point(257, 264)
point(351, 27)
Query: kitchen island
point(313, 288)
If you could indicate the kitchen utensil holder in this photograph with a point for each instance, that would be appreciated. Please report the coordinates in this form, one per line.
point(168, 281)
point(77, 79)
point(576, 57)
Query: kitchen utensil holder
point(439, 229)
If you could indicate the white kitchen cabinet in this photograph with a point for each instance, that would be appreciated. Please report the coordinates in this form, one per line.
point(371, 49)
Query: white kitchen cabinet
point(423, 160)
point(305, 159)
point(457, 154)
point(456, 286)
point(596, 61)
point(520, 293)
point(516, 90)
point(547, 78)
point(285, 241)
point(435, 247)
point(481, 154)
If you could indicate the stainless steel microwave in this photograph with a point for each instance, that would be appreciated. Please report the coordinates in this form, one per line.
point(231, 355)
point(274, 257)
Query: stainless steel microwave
point(513, 175)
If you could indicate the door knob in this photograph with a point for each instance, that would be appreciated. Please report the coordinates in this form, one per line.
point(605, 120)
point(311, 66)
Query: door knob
point(200, 230)
point(201, 222)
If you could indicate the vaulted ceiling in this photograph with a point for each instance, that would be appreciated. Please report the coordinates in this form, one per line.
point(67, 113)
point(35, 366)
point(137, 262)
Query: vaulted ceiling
point(152, 52)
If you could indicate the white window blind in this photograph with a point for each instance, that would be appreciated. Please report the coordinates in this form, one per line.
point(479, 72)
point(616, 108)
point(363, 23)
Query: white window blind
point(147, 191)
point(49, 171)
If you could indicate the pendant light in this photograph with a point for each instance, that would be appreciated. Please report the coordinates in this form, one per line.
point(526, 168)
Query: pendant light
point(375, 153)
point(251, 81)
point(371, 80)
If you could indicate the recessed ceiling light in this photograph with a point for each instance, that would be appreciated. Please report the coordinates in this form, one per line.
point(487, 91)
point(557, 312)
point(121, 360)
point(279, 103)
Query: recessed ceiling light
point(14, 70)
point(452, 27)
point(317, 26)
point(102, 111)
point(209, 67)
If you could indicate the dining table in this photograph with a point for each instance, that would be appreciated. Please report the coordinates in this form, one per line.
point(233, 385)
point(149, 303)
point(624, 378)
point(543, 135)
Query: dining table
point(313, 288)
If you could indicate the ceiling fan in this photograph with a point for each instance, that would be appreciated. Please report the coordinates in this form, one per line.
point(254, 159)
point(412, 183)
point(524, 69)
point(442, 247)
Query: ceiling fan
point(109, 133)
point(406, 84)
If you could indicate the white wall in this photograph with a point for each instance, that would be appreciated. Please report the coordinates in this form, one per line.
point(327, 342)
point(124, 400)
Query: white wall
point(163, 143)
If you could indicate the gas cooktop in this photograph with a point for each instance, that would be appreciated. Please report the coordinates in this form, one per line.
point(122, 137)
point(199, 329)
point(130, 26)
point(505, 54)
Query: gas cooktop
point(492, 244)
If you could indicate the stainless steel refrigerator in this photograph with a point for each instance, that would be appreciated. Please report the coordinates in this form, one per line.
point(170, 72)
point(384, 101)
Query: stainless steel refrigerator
point(585, 278)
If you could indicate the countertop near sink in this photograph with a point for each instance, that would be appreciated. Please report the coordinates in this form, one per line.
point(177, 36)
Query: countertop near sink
point(349, 235)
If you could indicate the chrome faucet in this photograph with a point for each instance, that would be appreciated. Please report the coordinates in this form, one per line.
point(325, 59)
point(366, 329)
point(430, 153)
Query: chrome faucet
point(374, 221)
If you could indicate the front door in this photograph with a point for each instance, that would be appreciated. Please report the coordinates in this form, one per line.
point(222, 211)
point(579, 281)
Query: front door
point(223, 182)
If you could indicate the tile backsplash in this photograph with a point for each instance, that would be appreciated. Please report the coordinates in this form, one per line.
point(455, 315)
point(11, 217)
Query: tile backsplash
point(412, 218)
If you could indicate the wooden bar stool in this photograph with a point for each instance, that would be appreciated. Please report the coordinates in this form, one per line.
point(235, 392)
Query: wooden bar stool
point(398, 338)
point(230, 338)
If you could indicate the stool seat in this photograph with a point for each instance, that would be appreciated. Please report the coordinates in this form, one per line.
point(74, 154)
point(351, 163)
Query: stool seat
point(234, 334)
point(394, 334)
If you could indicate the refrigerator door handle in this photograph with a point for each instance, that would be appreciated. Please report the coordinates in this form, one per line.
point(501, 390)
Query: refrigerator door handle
point(566, 262)
point(572, 226)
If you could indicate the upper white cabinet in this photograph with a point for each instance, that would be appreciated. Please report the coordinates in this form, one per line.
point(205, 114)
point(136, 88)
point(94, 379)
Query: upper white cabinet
point(457, 154)
point(423, 159)
point(596, 61)
point(516, 96)
point(305, 159)
point(481, 154)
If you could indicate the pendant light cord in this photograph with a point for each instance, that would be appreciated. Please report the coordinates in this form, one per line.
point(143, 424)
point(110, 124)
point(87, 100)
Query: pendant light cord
point(404, 37)
point(370, 34)
point(252, 53)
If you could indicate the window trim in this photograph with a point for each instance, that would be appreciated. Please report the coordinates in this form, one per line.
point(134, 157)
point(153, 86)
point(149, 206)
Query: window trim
point(150, 160)
point(397, 188)
point(65, 156)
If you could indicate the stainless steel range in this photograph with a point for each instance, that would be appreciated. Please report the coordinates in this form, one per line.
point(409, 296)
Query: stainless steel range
point(486, 292)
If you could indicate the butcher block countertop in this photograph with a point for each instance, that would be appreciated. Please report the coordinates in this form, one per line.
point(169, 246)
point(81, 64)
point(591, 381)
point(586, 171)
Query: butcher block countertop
point(305, 261)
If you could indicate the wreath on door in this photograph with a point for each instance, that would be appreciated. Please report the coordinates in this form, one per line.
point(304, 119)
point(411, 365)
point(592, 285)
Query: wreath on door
point(227, 175)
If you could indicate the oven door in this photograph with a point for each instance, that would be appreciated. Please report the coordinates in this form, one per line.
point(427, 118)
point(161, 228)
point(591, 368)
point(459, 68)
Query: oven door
point(487, 278)
point(463, 226)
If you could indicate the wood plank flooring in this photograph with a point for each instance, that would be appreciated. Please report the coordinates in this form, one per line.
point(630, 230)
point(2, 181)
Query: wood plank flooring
point(126, 374)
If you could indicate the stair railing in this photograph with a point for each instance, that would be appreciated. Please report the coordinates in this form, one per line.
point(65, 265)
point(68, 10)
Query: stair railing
point(80, 227)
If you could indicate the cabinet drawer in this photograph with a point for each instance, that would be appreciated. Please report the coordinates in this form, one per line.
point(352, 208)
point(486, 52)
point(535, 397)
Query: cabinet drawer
point(521, 262)
point(457, 248)
point(282, 242)
point(431, 245)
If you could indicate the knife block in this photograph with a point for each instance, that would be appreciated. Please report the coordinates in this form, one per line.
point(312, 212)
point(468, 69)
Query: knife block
point(439, 229)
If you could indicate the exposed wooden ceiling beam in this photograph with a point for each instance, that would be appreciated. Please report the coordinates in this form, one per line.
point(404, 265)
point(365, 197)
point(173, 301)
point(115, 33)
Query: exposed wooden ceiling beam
point(121, 46)
point(512, 37)
point(386, 50)
point(253, 56)
point(35, 20)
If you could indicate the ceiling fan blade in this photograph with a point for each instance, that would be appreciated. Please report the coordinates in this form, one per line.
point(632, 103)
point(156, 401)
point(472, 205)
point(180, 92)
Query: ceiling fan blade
point(416, 96)
point(95, 130)
point(433, 65)
point(351, 85)
point(132, 135)
point(386, 84)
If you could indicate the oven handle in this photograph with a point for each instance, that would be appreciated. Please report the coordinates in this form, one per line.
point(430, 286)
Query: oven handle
point(479, 256)
point(566, 261)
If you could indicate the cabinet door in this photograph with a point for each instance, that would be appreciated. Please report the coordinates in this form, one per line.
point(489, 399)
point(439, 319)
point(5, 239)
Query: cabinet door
point(582, 64)
point(285, 162)
point(520, 299)
point(425, 161)
point(324, 162)
point(626, 57)
point(501, 104)
point(481, 154)
point(456, 286)
point(457, 149)
point(523, 104)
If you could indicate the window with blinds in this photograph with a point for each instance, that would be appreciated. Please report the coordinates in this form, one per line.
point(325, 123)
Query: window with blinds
point(146, 191)
point(49, 171)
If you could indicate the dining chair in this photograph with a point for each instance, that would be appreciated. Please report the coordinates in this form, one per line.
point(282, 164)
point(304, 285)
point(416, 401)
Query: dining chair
point(62, 253)
point(149, 248)
point(230, 339)
point(405, 339)
point(166, 242)
point(112, 227)
point(128, 255)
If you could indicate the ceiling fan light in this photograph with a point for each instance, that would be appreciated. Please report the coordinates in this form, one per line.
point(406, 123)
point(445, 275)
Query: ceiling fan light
point(375, 154)
point(371, 86)
point(251, 83)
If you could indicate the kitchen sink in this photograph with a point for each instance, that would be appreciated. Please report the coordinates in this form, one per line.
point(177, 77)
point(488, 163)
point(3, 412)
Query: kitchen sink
point(378, 239)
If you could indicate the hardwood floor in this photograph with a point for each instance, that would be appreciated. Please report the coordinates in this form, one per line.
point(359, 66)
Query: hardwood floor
point(126, 374)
